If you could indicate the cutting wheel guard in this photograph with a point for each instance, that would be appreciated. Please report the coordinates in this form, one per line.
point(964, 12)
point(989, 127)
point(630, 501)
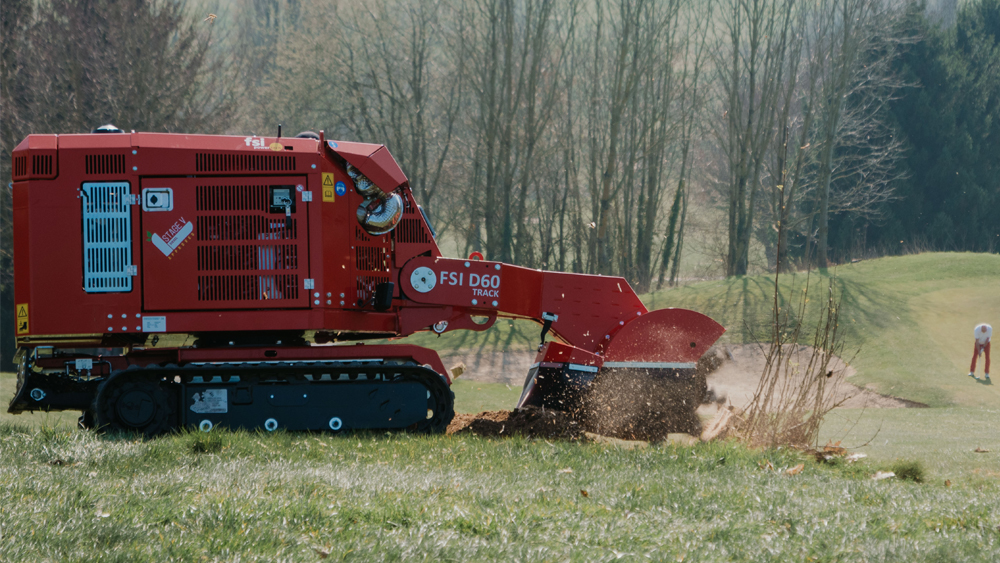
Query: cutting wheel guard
point(661, 346)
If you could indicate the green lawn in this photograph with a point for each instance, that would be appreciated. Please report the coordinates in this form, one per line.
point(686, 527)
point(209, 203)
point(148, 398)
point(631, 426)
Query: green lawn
point(474, 396)
point(73, 496)
point(908, 319)
point(943, 440)
point(70, 495)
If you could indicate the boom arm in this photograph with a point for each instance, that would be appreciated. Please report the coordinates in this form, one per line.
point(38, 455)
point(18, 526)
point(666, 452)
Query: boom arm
point(598, 315)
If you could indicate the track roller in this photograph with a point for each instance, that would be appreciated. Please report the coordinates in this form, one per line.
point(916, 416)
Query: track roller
point(131, 401)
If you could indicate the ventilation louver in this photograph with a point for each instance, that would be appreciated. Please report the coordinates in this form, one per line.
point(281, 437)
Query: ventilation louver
point(104, 164)
point(205, 162)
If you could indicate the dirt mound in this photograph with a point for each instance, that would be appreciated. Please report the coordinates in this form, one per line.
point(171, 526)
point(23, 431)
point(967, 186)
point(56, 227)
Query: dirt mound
point(529, 422)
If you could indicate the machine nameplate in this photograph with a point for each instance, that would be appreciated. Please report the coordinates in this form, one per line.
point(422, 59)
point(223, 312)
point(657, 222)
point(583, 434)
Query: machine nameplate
point(211, 401)
point(154, 324)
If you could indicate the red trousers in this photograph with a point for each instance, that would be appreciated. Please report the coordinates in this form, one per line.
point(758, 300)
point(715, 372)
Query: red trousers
point(977, 348)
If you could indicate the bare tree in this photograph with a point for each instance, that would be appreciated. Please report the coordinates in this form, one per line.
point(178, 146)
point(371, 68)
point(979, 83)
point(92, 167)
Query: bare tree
point(402, 88)
point(856, 44)
point(517, 52)
point(750, 64)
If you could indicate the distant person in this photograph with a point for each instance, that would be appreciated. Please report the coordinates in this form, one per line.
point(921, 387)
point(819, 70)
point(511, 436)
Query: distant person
point(982, 334)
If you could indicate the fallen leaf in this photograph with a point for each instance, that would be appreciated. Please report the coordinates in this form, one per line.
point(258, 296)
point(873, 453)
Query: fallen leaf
point(584, 493)
point(947, 482)
point(879, 475)
point(981, 450)
point(855, 457)
point(795, 470)
point(323, 554)
point(567, 470)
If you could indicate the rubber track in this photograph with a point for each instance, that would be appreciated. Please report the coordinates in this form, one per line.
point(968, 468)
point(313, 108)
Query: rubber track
point(295, 374)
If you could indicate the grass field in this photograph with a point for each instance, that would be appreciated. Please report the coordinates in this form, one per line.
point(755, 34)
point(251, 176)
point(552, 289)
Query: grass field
point(71, 496)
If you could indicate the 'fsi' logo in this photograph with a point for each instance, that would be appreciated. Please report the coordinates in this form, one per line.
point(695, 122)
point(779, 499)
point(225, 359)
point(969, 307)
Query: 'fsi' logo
point(255, 142)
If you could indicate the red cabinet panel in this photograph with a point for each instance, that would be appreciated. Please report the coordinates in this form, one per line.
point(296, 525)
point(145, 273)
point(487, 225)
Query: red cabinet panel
point(224, 243)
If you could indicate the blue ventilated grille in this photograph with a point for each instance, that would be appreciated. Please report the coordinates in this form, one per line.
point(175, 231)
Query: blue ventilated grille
point(107, 237)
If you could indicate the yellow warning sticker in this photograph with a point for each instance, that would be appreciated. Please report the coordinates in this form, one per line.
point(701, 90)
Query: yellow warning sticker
point(22, 318)
point(328, 187)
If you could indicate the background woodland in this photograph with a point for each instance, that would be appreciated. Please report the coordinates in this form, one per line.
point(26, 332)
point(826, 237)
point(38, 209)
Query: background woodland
point(659, 140)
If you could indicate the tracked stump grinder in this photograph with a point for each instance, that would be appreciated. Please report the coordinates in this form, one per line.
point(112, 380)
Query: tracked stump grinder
point(167, 281)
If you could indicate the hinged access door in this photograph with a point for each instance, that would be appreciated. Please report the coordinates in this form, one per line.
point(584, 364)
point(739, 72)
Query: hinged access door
point(224, 243)
point(107, 237)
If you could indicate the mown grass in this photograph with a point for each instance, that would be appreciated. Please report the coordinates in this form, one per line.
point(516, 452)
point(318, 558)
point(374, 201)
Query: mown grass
point(73, 496)
point(942, 440)
point(907, 321)
point(476, 396)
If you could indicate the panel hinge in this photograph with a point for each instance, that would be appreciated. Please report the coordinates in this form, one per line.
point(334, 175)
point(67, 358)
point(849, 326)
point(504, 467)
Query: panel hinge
point(309, 283)
point(131, 270)
point(307, 196)
point(130, 199)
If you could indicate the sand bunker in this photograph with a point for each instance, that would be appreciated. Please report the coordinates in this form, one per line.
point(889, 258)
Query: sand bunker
point(741, 366)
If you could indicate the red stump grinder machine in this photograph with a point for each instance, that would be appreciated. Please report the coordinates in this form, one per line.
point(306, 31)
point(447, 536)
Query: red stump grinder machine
point(167, 281)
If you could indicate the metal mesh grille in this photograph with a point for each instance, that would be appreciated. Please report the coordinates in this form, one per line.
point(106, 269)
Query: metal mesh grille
point(248, 288)
point(107, 237)
point(371, 259)
point(244, 227)
point(371, 256)
point(248, 257)
point(411, 230)
point(366, 286)
point(231, 198)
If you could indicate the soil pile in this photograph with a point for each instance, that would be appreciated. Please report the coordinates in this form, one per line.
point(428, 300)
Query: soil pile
point(622, 404)
point(634, 424)
point(528, 422)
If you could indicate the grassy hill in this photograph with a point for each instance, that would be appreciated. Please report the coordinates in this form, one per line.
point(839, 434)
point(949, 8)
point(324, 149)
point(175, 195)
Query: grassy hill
point(906, 320)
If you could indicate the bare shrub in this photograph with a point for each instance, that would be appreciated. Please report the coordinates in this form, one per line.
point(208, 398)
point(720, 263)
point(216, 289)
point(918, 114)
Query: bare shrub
point(797, 387)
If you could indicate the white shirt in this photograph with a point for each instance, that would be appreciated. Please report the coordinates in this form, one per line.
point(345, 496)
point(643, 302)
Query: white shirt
point(983, 337)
